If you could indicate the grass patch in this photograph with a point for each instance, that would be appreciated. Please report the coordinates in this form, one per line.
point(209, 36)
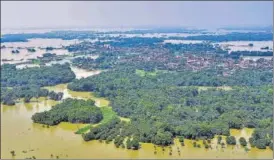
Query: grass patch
point(124, 119)
point(36, 61)
point(108, 114)
point(83, 129)
point(143, 73)
point(202, 88)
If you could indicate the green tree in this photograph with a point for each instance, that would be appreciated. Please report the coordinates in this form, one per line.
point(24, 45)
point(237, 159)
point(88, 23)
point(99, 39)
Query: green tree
point(231, 140)
point(243, 141)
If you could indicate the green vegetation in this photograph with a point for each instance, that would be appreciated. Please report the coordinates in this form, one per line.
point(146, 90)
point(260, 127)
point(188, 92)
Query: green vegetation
point(175, 108)
point(31, 50)
point(143, 73)
point(108, 115)
point(238, 54)
point(219, 139)
point(84, 129)
point(181, 140)
point(243, 141)
point(70, 110)
point(231, 140)
point(167, 90)
point(133, 144)
point(41, 76)
point(257, 36)
point(36, 61)
point(104, 61)
point(9, 95)
point(115, 130)
point(12, 153)
point(15, 51)
point(262, 135)
point(27, 83)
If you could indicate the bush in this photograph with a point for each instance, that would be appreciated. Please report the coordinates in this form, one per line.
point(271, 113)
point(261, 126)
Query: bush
point(243, 141)
point(231, 140)
point(252, 141)
point(261, 143)
point(219, 139)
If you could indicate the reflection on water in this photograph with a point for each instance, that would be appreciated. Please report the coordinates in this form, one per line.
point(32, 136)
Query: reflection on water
point(29, 139)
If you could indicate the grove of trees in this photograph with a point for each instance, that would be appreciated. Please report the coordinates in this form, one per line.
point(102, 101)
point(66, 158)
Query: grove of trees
point(70, 110)
point(26, 83)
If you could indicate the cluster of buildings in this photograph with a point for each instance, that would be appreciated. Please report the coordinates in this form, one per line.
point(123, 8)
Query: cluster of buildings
point(164, 58)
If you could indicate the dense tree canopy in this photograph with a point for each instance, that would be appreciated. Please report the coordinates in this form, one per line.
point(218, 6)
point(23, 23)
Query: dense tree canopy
point(171, 107)
point(26, 83)
point(70, 110)
point(41, 76)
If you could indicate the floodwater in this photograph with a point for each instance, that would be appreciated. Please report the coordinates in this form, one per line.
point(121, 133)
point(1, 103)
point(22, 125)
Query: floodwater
point(24, 55)
point(243, 45)
point(255, 58)
point(27, 139)
point(41, 42)
point(37, 44)
point(79, 95)
point(173, 41)
point(82, 73)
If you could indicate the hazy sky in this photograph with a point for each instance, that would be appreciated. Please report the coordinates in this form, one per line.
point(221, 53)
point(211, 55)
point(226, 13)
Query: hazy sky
point(116, 14)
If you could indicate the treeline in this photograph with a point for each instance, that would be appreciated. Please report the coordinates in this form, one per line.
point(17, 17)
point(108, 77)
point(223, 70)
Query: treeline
point(65, 35)
point(10, 95)
point(40, 76)
point(48, 57)
point(164, 105)
point(104, 61)
point(27, 83)
point(133, 42)
point(235, 36)
point(264, 28)
point(238, 54)
point(70, 110)
point(263, 135)
point(195, 49)
point(114, 130)
point(31, 50)
point(70, 35)
point(156, 30)
point(126, 78)
point(84, 63)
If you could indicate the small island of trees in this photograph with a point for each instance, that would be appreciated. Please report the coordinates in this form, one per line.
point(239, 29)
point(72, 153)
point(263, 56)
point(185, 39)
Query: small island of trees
point(70, 110)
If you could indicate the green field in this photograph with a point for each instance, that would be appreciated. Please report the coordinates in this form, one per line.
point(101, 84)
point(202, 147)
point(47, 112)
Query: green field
point(143, 73)
point(108, 114)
